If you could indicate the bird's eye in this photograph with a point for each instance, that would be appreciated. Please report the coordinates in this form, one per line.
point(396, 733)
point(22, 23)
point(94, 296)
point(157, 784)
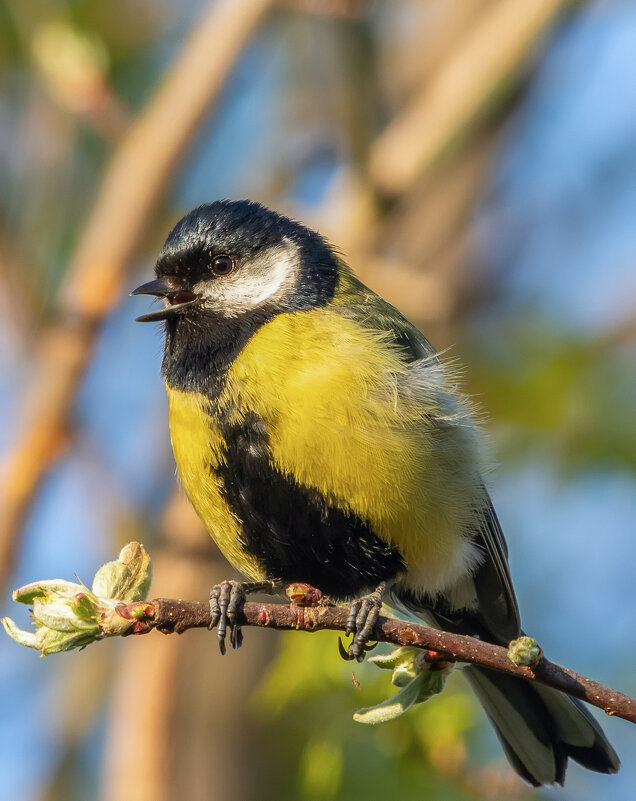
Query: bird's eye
point(222, 265)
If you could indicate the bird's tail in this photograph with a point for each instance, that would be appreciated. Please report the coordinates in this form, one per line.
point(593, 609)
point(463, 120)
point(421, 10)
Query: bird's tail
point(539, 728)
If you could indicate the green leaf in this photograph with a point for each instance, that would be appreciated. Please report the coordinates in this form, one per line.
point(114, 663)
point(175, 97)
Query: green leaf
point(59, 616)
point(394, 706)
point(49, 641)
point(85, 608)
point(45, 589)
point(397, 656)
point(26, 638)
point(128, 578)
point(433, 683)
point(404, 673)
point(69, 615)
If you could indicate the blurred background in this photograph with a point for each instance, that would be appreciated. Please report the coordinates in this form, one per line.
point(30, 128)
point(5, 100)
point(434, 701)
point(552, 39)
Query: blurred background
point(475, 161)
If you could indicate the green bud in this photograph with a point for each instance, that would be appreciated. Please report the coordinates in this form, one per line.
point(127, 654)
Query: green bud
point(112, 623)
point(525, 652)
point(68, 615)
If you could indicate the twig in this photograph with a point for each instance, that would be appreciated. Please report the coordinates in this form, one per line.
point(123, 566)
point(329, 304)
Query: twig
point(493, 49)
point(136, 180)
point(170, 615)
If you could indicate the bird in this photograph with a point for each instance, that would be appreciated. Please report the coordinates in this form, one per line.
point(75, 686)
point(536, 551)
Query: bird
point(322, 439)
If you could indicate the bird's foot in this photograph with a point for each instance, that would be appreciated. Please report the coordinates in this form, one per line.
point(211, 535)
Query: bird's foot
point(363, 617)
point(226, 603)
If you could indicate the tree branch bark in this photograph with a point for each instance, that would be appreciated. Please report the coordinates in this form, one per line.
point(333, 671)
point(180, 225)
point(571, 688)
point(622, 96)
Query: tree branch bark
point(171, 615)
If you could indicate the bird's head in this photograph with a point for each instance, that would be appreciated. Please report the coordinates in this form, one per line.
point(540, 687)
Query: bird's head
point(235, 261)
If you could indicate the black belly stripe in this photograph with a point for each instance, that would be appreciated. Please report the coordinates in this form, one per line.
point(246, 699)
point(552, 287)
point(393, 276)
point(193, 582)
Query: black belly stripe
point(292, 530)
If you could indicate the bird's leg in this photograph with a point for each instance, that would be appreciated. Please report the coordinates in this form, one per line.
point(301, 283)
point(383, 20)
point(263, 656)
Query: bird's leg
point(226, 601)
point(363, 616)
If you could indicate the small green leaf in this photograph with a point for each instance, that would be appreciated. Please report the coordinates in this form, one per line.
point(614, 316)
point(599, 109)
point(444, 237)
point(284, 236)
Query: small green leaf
point(418, 679)
point(49, 641)
point(85, 608)
point(45, 589)
point(394, 706)
point(26, 638)
point(128, 578)
point(432, 684)
point(397, 656)
point(58, 616)
point(404, 673)
point(68, 615)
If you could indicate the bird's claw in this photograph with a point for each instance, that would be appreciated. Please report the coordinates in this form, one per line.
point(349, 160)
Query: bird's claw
point(226, 601)
point(363, 617)
point(347, 653)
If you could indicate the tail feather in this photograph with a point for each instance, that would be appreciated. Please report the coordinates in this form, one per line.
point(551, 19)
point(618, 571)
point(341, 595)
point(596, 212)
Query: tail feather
point(540, 728)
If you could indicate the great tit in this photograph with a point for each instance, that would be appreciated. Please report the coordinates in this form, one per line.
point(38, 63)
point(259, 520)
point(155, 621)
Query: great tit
point(321, 439)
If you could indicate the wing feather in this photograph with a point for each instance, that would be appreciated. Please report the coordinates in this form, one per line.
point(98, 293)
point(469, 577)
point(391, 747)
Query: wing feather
point(496, 601)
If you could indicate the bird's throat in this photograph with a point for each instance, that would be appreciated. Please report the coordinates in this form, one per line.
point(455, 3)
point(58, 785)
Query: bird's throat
point(199, 349)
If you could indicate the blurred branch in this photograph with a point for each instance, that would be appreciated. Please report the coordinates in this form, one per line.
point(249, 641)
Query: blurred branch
point(140, 171)
point(340, 9)
point(446, 24)
point(19, 289)
point(169, 615)
point(428, 222)
point(477, 65)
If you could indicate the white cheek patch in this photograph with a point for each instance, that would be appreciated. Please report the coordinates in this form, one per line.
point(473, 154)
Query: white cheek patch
point(271, 281)
point(270, 276)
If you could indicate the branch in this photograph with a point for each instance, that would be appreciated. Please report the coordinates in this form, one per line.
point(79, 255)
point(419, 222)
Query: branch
point(68, 615)
point(170, 615)
point(493, 49)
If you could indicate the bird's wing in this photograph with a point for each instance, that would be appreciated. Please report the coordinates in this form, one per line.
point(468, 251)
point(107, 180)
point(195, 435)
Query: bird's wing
point(496, 599)
point(497, 604)
point(357, 302)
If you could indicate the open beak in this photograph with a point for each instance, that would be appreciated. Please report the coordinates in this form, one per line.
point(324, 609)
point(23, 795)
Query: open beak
point(177, 298)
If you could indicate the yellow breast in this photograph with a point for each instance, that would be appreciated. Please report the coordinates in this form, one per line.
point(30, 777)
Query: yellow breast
point(344, 416)
point(197, 446)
